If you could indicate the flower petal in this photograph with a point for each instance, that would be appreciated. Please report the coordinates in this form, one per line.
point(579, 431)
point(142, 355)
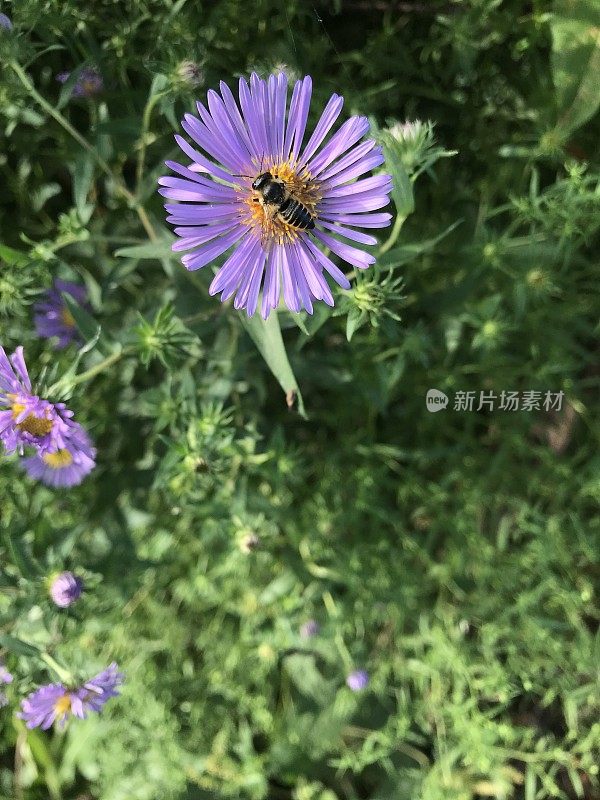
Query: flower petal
point(272, 285)
point(324, 125)
point(354, 171)
point(355, 236)
point(336, 273)
point(199, 159)
point(298, 116)
point(377, 184)
point(362, 220)
point(358, 258)
point(193, 261)
point(348, 135)
point(227, 278)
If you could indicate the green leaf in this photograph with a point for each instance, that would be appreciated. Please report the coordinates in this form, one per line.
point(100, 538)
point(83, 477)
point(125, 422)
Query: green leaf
point(21, 558)
point(84, 322)
point(266, 335)
point(530, 781)
point(159, 250)
point(356, 318)
point(303, 672)
point(12, 257)
point(402, 192)
point(575, 64)
point(68, 86)
point(280, 587)
point(43, 756)
point(83, 176)
point(407, 252)
point(18, 646)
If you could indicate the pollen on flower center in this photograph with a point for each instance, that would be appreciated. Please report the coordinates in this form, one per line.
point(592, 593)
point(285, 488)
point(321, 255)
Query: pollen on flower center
point(63, 705)
point(36, 426)
point(67, 318)
point(264, 217)
point(59, 459)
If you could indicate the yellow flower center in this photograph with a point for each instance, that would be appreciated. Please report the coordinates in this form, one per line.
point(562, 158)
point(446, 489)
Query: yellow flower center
point(67, 318)
point(58, 460)
point(36, 426)
point(63, 705)
point(265, 217)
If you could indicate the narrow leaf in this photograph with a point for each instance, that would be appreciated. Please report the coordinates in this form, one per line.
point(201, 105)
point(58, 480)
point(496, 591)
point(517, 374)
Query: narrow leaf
point(158, 250)
point(84, 322)
point(575, 65)
point(266, 335)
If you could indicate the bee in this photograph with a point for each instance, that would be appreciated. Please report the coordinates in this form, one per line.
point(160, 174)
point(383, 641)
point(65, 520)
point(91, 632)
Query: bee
point(274, 193)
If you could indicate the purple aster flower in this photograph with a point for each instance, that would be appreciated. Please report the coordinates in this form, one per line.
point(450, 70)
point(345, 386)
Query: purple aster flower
point(52, 316)
point(5, 676)
point(65, 589)
point(25, 418)
point(278, 223)
point(310, 628)
point(88, 83)
point(5, 22)
point(55, 702)
point(66, 466)
point(358, 680)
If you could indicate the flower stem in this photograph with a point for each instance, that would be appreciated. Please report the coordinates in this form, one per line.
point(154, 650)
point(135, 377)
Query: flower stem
point(139, 173)
point(62, 673)
point(66, 125)
point(391, 241)
point(89, 373)
point(98, 368)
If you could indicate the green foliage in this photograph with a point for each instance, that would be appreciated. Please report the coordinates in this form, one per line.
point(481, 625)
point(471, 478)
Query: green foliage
point(253, 476)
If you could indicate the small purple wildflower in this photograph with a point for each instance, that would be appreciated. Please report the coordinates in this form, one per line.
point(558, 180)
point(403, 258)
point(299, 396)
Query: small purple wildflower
point(25, 418)
point(358, 680)
point(65, 589)
point(66, 466)
point(5, 676)
point(309, 629)
point(5, 22)
point(219, 208)
point(52, 316)
point(88, 83)
point(55, 702)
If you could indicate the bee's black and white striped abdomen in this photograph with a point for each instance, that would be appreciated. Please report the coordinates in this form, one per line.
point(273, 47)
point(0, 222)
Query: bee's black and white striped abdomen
point(296, 215)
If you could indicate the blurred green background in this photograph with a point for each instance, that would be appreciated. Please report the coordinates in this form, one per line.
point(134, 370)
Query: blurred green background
point(454, 556)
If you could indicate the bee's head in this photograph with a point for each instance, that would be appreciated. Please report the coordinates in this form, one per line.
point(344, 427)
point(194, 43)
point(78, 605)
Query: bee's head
point(262, 180)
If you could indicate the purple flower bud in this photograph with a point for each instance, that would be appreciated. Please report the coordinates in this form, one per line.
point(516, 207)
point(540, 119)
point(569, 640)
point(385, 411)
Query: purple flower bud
point(190, 73)
point(88, 83)
point(358, 680)
point(310, 628)
point(65, 589)
point(5, 22)
point(52, 315)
